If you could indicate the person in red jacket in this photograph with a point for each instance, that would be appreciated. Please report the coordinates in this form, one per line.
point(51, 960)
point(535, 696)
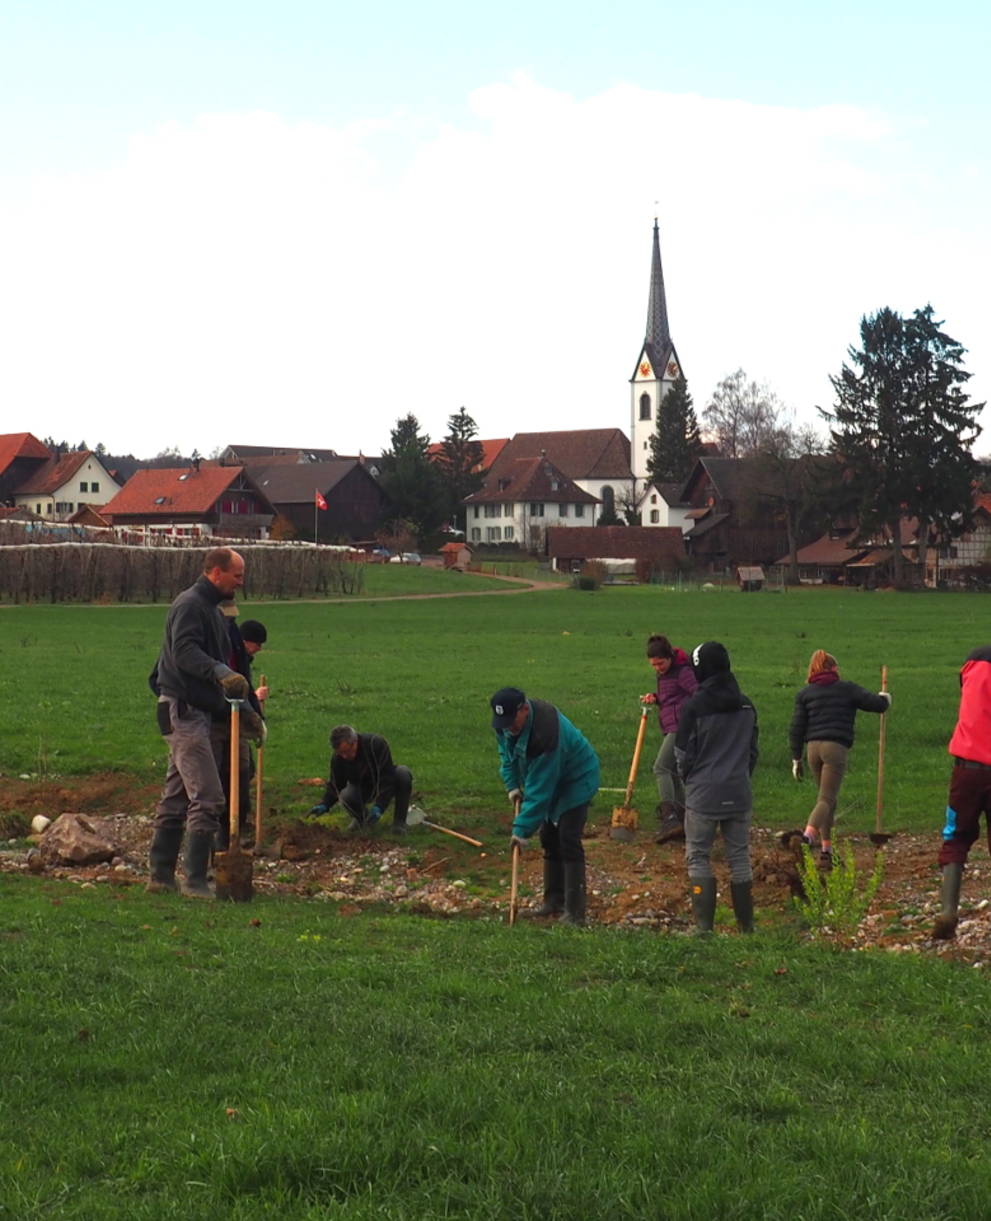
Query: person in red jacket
point(675, 684)
point(970, 785)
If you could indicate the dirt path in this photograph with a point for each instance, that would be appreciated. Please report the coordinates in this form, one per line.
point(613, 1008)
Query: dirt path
point(638, 886)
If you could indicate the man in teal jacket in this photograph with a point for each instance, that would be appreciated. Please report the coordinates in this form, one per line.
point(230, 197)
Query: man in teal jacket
point(552, 770)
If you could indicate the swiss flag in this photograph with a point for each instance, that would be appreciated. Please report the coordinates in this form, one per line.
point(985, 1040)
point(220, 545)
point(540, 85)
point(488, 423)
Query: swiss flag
point(319, 500)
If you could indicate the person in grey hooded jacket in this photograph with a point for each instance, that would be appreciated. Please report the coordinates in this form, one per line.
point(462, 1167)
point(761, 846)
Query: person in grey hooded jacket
point(716, 752)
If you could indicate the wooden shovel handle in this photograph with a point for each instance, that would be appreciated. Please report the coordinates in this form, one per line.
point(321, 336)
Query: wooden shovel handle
point(882, 738)
point(259, 771)
point(641, 732)
point(235, 775)
point(514, 885)
point(475, 843)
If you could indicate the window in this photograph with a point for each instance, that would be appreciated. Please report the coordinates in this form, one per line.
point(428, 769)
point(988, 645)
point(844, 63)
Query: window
point(476, 514)
point(653, 500)
point(655, 517)
point(493, 510)
point(476, 534)
point(562, 510)
point(84, 486)
point(536, 509)
point(579, 510)
point(493, 534)
point(507, 532)
point(37, 509)
point(644, 406)
point(94, 487)
point(608, 500)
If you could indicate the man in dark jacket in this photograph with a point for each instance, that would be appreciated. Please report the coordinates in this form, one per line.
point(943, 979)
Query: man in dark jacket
point(970, 785)
point(193, 680)
point(362, 773)
point(716, 752)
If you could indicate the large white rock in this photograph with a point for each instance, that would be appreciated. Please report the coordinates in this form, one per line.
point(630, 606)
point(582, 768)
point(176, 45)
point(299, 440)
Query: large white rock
point(40, 823)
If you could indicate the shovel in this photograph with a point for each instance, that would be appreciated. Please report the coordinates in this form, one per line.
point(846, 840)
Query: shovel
point(415, 817)
point(259, 768)
point(878, 837)
point(514, 885)
point(624, 817)
point(232, 869)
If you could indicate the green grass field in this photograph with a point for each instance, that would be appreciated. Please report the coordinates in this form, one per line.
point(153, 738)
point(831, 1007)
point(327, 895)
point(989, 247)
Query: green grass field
point(162, 1059)
point(72, 680)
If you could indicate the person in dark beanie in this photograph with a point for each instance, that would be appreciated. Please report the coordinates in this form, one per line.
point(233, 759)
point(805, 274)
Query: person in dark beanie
point(675, 684)
point(551, 769)
point(970, 785)
point(825, 710)
point(363, 775)
point(716, 752)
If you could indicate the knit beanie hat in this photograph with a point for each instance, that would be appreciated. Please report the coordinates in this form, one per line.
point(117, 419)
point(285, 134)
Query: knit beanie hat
point(709, 659)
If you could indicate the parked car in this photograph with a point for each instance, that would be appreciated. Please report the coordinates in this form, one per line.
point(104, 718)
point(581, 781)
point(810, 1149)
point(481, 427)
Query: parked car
point(380, 555)
point(406, 557)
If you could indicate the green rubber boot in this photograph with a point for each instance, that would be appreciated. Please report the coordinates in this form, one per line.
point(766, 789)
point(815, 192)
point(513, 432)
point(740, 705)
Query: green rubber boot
point(743, 905)
point(945, 928)
point(553, 903)
point(199, 845)
point(704, 905)
point(162, 857)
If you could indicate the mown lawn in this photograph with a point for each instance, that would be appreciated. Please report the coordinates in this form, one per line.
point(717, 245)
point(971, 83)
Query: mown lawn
point(165, 1059)
point(72, 684)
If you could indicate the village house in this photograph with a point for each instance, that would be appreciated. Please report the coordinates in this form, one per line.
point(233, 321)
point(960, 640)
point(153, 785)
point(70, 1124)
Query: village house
point(195, 501)
point(521, 498)
point(21, 455)
point(651, 550)
point(56, 488)
point(355, 503)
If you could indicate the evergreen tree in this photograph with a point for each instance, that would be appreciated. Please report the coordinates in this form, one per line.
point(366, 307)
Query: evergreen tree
point(902, 426)
point(460, 462)
point(675, 443)
point(412, 482)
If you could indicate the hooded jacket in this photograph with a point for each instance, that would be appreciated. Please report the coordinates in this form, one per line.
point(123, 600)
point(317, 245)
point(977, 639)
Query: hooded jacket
point(673, 691)
point(195, 649)
point(552, 762)
point(970, 737)
point(716, 747)
point(372, 770)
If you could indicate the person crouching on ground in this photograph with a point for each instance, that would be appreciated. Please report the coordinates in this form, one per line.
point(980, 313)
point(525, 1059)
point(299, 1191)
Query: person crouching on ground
point(675, 684)
point(970, 785)
point(362, 774)
point(716, 753)
point(551, 769)
point(822, 722)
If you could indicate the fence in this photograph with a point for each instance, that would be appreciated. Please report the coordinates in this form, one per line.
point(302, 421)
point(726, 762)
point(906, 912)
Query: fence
point(114, 572)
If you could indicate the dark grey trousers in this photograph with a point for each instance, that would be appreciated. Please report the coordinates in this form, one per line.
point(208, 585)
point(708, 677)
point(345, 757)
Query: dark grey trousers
point(192, 796)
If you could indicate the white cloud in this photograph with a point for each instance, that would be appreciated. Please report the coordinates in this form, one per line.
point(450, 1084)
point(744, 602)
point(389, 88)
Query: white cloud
point(247, 278)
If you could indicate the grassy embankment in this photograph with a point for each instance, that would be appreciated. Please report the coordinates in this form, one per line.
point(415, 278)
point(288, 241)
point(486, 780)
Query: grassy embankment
point(169, 1060)
point(72, 682)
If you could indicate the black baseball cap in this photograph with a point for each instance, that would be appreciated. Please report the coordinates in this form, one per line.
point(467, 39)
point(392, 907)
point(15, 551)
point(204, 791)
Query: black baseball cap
point(506, 703)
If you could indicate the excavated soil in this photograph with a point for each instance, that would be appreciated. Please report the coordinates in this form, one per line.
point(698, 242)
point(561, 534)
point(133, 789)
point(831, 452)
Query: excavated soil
point(638, 885)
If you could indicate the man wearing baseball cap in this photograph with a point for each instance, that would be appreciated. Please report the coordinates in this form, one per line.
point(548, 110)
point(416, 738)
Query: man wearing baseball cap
point(551, 770)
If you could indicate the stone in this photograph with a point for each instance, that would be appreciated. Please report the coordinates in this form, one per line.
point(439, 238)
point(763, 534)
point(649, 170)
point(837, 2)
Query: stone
point(73, 840)
point(40, 824)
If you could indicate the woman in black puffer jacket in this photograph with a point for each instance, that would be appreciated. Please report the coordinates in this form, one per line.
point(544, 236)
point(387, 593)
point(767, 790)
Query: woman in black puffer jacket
point(823, 720)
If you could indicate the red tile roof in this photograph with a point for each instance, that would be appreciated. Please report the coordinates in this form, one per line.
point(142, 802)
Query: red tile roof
point(178, 489)
point(490, 451)
point(587, 453)
point(531, 479)
point(20, 445)
point(662, 544)
point(55, 473)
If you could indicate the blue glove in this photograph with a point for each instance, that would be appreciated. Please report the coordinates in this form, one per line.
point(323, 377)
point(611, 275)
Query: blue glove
point(374, 814)
point(319, 808)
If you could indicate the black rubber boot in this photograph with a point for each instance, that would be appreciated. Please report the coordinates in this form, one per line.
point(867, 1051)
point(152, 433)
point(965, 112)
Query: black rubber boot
point(743, 905)
point(553, 903)
point(704, 904)
point(672, 825)
point(162, 858)
point(574, 893)
point(199, 845)
point(945, 927)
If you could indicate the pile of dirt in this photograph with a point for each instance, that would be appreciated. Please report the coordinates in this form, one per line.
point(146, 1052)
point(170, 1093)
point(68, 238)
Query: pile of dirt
point(638, 885)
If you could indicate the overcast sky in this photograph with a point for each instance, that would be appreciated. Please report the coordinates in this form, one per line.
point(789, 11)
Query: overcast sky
point(293, 223)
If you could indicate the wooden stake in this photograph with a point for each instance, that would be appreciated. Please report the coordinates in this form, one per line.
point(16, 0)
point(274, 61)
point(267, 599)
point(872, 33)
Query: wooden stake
point(879, 806)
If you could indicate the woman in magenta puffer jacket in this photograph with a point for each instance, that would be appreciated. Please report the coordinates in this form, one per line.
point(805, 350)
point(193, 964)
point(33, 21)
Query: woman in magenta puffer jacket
point(675, 683)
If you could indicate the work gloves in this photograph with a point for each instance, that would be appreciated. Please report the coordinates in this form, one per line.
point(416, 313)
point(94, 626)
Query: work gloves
point(253, 726)
point(235, 685)
point(515, 795)
point(517, 841)
point(796, 769)
point(886, 695)
point(319, 808)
